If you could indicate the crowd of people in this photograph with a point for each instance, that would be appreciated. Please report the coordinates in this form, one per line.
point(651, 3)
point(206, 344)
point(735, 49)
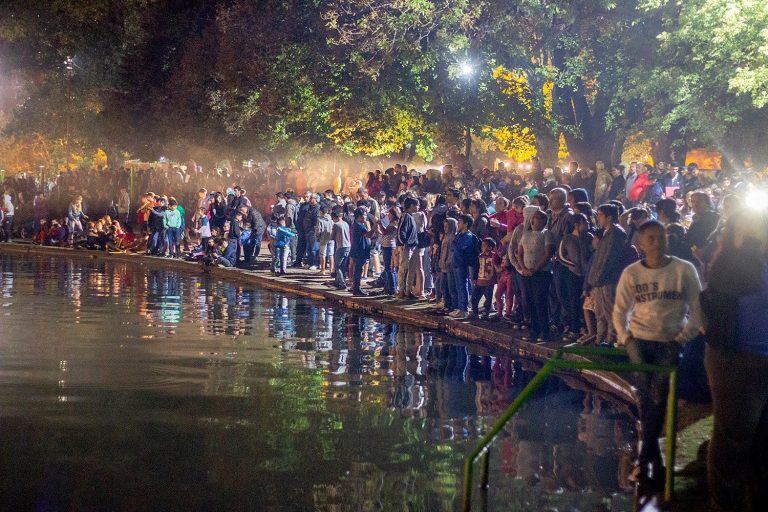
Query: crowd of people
point(594, 255)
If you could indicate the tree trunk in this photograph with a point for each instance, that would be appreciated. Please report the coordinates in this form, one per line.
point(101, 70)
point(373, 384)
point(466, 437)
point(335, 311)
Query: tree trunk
point(547, 148)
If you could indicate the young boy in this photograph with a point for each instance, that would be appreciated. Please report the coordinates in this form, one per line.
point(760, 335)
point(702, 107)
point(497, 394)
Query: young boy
point(657, 310)
point(486, 277)
point(283, 236)
point(465, 252)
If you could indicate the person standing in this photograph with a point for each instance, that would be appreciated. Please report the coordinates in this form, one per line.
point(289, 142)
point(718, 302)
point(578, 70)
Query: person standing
point(657, 310)
point(604, 274)
point(75, 218)
point(408, 239)
point(736, 360)
point(283, 235)
point(172, 225)
point(560, 214)
point(388, 230)
point(253, 218)
point(123, 206)
point(309, 222)
point(534, 254)
point(465, 258)
point(9, 210)
point(323, 233)
point(361, 249)
point(341, 241)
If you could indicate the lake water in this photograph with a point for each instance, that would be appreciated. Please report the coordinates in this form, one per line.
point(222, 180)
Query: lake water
point(123, 388)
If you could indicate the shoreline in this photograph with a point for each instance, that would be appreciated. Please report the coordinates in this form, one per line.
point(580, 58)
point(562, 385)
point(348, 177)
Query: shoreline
point(493, 335)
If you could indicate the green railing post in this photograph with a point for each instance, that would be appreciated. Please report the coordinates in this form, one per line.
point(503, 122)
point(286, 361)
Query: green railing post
point(671, 444)
point(490, 436)
point(556, 362)
point(486, 465)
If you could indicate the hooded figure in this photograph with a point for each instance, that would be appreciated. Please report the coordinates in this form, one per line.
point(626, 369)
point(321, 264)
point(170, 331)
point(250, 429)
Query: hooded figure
point(602, 184)
point(446, 255)
point(517, 234)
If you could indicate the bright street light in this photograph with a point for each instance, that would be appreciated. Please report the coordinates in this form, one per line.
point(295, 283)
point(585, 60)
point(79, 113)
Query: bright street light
point(466, 69)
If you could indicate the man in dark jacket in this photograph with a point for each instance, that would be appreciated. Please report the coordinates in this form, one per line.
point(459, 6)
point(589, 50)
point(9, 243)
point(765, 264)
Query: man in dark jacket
point(252, 247)
point(607, 265)
point(704, 222)
point(301, 241)
point(157, 241)
point(618, 184)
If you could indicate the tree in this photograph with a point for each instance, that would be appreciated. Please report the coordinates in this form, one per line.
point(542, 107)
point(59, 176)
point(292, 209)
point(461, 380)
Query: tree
point(705, 83)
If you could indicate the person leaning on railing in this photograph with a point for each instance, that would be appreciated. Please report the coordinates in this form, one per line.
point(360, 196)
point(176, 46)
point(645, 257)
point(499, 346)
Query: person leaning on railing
point(656, 310)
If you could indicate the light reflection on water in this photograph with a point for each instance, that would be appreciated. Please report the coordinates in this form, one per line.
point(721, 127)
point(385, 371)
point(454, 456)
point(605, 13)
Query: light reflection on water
point(130, 389)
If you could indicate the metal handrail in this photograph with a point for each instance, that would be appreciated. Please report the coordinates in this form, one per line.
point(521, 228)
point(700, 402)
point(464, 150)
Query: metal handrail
point(556, 363)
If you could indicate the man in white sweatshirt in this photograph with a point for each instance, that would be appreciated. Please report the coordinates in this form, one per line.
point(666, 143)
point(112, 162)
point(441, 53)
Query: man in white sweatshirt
point(656, 311)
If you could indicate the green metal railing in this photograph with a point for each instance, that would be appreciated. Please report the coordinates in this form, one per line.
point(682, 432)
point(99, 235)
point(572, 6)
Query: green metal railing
point(558, 363)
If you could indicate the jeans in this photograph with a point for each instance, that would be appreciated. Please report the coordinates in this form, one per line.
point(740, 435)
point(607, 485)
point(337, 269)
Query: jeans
point(301, 248)
point(449, 290)
point(482, 290)
point(157, 242)
point(280, 259)
point(537, 293)
point(426, 265)
point(573, 302)
point(652, 389)
point(341, 261)
point(310, 241)
point(557, 294)
point(75, 227)
point(359, 263)
point(172, 235)
point(390, 276)
point(525, 309)
point(252, 249)
point(604, 297)
point(461, 278)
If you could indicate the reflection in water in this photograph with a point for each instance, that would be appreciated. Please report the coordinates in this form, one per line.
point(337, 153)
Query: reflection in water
point(126, 388)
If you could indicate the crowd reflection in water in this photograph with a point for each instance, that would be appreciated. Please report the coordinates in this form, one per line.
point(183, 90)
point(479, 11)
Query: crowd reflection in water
point(568, 438)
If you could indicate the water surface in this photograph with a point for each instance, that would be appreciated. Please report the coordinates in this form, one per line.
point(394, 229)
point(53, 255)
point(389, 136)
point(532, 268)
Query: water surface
point(123, 388)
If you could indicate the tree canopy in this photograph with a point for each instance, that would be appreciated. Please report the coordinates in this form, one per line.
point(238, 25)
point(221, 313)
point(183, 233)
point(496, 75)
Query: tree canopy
point(433, 79)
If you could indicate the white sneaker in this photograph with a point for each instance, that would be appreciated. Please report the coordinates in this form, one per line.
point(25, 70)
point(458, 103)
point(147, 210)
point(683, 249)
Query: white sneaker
point(313, 267)
point(454, 313)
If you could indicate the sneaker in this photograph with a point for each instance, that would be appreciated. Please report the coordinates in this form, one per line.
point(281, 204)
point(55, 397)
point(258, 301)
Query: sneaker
point(313, 267)
point(463, 315)
point(440, 305)
point(454, 313)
